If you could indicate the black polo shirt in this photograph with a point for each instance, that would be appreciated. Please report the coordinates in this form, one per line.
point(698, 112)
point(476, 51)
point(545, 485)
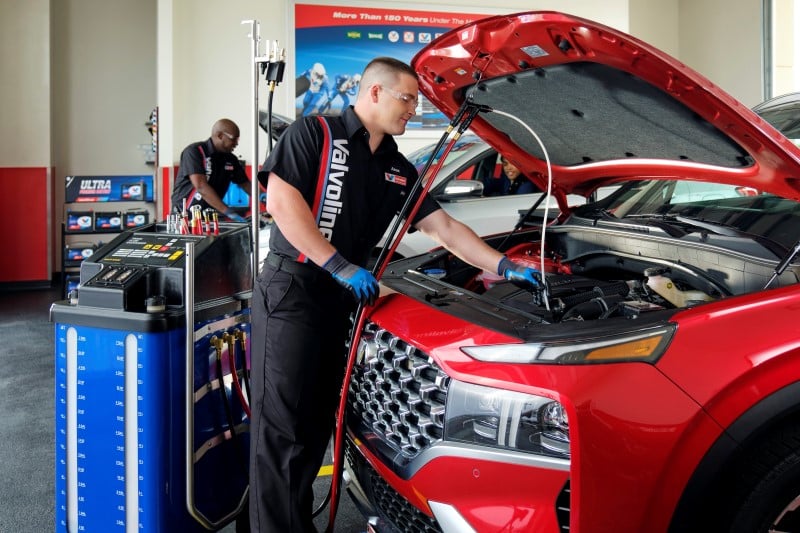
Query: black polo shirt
point(353, 193)
point(220, 169)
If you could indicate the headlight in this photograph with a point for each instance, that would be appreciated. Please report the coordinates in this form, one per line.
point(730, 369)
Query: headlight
point(506, 419)
point(644, 345)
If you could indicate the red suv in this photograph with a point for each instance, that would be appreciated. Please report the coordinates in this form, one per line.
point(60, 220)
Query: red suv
point(653, 382)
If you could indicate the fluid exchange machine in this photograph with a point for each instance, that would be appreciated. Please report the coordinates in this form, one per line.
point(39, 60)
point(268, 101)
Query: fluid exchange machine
point(151, 384)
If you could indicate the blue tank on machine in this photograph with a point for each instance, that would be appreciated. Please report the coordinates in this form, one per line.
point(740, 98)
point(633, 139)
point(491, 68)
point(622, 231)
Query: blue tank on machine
point(151, 384)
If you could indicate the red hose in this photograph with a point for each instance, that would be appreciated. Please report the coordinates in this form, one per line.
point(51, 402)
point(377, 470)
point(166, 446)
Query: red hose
point(361, 315)
point(235, 375)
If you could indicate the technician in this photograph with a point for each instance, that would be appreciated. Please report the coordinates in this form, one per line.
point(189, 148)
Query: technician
point(334, 185)
point(207, 169)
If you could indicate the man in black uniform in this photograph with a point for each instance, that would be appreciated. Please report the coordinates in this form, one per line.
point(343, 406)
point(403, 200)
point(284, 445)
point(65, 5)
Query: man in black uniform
point(334, 185)
point(207, 169)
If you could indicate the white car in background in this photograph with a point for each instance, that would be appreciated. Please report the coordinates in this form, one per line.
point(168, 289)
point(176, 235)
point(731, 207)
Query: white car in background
point(459, 188)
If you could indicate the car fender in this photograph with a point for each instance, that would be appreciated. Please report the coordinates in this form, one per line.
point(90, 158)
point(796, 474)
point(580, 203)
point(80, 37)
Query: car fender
point(749, 428)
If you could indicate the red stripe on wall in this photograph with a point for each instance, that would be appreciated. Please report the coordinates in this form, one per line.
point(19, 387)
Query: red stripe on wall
point(26, 231)
point(166, 190)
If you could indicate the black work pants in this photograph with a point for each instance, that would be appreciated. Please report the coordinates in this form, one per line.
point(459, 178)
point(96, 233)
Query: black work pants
point(300, 325)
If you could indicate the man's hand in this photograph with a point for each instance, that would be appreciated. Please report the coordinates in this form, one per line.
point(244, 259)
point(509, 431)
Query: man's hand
point(231, 214)
point(520, 275)
point(361, 284)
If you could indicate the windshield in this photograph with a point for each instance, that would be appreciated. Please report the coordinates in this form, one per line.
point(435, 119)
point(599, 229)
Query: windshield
point(786, 121)
point(783, 112)
point(462, 147)
point(695, 206)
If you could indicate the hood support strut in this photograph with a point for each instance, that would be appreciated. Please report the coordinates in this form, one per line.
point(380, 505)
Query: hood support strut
point(784, 263)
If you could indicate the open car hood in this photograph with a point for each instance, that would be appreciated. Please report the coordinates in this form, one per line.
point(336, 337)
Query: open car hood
point(606, 106)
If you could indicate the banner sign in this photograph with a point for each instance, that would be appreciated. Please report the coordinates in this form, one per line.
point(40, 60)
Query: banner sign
point(109, 189)
point(333, 44)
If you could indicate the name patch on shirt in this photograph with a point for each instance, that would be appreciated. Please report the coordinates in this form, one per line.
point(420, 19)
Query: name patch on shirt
point(395, 178)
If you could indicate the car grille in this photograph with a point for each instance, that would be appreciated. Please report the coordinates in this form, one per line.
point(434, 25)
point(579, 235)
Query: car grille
point(396, 510)
point(563, 508)
point(398, 392)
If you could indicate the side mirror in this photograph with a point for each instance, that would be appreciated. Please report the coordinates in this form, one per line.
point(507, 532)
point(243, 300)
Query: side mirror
point(461, 189)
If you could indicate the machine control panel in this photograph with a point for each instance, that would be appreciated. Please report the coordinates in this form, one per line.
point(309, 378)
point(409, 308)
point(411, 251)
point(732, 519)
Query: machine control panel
point(150, 249)
point(150, 262)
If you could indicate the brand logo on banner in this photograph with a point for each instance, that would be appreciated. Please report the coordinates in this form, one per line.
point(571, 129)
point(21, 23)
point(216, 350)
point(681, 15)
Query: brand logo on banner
point(108, 189)
point(94, 186)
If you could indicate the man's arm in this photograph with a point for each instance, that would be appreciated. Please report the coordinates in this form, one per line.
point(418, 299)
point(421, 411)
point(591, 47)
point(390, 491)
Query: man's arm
point(291, 213)
point(200, 183)
point(464, 243)
point(459, 239)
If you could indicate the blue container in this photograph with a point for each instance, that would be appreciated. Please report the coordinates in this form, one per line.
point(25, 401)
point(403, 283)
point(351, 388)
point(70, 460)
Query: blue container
point(121, 423)
point(128, 391)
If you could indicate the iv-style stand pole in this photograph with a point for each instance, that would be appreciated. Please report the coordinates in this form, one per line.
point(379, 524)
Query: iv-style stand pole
point(271, 65)
point(255, 216)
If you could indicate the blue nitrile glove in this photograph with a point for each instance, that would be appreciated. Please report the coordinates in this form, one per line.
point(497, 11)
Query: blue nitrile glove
point(361, 284)
point(231, 214)
point(520, 275)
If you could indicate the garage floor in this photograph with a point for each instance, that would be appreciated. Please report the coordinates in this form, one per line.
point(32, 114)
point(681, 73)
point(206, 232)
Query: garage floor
point(26, 424)
point(27, 452)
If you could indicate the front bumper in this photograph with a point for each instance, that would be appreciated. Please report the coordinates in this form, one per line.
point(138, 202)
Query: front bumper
point(464, 490)
point(635, 437)
point(408, 478)
point(379, 502)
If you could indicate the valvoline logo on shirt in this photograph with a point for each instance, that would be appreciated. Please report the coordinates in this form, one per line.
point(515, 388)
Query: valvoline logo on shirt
point(395, 178)
point(228, 167)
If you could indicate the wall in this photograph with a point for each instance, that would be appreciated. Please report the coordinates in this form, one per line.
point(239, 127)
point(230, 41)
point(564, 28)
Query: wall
point(104, 85)
point(205, 72)
point(696, 32)
point(103, 91)
point(786, 24)
point(722, 40)
point(656, 21)
point(25, 83)
point(25, 140)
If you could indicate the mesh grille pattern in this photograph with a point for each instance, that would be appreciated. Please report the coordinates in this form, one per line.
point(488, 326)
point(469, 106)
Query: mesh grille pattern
point(563, 503)
point(396, 510)
point(398, 391)
point(399, 512)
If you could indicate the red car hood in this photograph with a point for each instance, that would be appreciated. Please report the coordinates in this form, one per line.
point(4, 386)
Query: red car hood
point(606, 106)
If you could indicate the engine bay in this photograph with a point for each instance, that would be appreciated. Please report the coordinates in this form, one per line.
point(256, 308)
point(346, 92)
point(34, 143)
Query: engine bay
point(599, 285)
point(593, 284)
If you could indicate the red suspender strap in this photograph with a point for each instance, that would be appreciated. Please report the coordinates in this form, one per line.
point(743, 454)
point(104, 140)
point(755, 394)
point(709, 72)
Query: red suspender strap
point(322, 176)
point(193, 191)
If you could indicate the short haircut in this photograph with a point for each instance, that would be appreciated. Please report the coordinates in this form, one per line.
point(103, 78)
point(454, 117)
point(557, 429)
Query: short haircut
point(385, 69)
